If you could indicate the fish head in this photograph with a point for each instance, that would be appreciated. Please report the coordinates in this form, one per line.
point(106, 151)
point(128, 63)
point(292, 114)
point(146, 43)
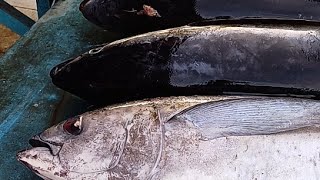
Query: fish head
point(86, 75)
point(122, 141)
point(108, 71)
point(118, 15)
point(101, 12)
point(40, 161)
point(44, 158)
point(68, 75)
point(73, 149)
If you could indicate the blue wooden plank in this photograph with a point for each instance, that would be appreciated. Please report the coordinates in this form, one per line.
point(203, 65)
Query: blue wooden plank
point(14, 19)
point(42, 7)
point(12, 23)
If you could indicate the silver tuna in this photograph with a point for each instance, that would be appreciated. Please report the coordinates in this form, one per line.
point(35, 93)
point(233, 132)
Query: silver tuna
point(184, 138)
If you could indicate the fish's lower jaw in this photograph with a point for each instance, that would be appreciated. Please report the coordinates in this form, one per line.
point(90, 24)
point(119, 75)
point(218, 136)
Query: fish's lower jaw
point(41, 172)
point(83, 4)
point(44, 177)
point(40, 161)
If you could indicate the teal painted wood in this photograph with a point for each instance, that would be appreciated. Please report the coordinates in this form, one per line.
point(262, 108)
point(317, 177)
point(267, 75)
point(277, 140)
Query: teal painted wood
point(15, 25)
point(42, 7)
point(14, 19)
point(29, 102)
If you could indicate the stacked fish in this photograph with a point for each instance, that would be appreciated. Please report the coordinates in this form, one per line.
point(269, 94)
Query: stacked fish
point(254, 66)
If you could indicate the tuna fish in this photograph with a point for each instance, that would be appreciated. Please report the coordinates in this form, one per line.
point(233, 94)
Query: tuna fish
point(133, 16)
point(248, 56)
point(218, 137)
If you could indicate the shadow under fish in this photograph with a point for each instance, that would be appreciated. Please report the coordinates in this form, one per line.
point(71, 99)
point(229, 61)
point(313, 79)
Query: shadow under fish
point(133, 17)
point(229, 56)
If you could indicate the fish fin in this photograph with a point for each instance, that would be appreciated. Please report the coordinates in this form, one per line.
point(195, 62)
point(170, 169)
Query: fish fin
point(254, 116)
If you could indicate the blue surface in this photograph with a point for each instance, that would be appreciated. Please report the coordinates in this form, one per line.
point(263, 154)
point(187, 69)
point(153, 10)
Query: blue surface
point(12, 23)
point(42, 7)
point(29, 102)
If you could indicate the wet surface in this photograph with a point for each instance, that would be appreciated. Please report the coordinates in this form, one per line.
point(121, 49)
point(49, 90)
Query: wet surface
point(29, 102)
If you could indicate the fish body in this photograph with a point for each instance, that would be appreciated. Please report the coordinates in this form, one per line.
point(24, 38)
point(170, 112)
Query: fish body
point(251, 57)
point(221, 137)
point(132, 16)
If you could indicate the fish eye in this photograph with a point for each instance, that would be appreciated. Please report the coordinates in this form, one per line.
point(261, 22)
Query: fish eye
point(73, 125)
point(96, 50)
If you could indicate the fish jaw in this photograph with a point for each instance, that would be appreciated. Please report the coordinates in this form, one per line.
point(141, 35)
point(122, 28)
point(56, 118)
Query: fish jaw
point(87, 9)
point(101, 13)
point(65, 74)
point(40, 161)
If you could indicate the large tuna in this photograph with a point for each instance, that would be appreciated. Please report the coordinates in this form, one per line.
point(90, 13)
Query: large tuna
point(132, 16)
point(265, 56)
point(183, 138)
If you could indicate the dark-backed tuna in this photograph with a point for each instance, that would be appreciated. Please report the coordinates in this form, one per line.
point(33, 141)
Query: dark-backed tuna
point(247, 58)
point(132, 16)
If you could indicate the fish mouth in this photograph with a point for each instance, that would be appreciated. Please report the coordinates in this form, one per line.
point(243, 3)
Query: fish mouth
point(64, 67)
point(55, 70)
point(37, 142)
point(60, 73)
point(41, 159)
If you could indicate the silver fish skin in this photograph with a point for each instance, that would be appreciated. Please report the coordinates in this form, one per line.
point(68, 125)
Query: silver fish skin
point(196, 137)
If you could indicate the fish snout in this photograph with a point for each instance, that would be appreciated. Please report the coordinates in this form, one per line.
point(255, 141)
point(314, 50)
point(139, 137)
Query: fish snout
point(60, 67)
point(91, 11)
point(40, 161)
point(54, 72)
point(60, 73)
point(107, 14)
point(25, 157)
point(83, 4)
